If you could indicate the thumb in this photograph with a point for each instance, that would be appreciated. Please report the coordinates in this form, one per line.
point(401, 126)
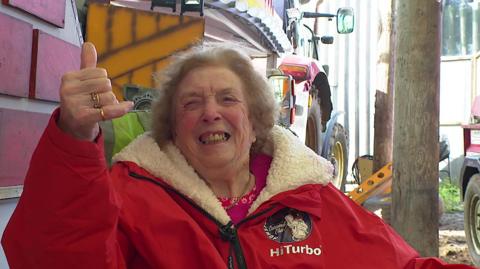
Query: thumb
point(88, 57)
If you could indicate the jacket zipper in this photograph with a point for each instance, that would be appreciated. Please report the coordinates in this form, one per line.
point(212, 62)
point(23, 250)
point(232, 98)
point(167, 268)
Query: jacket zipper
point(228, 232)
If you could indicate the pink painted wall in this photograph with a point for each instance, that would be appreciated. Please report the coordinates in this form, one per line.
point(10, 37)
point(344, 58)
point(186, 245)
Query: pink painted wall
point(54, 57)
point(20, 133)
point(52, 11)
point(15, 56)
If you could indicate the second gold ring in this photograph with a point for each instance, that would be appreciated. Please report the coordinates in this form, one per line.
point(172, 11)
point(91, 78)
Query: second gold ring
point(102, 113)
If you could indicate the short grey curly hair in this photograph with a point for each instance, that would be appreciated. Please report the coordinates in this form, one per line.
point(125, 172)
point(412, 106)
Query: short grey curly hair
point(262, 107)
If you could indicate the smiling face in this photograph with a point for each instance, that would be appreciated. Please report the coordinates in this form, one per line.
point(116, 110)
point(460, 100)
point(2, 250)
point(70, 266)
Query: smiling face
point(212, 126)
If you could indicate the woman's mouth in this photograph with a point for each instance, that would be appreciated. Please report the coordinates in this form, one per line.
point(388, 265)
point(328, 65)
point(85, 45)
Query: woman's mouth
point(212, 138)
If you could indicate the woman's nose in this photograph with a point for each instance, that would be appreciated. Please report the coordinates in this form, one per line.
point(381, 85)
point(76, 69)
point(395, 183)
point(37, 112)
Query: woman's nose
point(211, 112)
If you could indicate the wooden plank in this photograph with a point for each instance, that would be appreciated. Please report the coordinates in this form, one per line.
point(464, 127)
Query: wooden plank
point(15, 55)
point(54, 57)
point(20, 133)
point(52, 11)
point(383, 116)
point(122, 20)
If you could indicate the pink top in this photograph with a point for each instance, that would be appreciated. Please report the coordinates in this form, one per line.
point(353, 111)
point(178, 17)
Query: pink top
point(259, 166)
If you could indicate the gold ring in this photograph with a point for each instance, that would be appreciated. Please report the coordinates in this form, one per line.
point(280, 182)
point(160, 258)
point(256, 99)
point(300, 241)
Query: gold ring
point(96, 99)
point(102, 114)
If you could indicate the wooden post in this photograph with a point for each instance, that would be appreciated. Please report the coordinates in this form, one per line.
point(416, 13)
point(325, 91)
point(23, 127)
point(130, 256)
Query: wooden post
point(383, 118)
point(415, 135)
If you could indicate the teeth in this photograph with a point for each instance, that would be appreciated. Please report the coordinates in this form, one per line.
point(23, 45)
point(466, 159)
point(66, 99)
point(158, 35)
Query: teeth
point(214, 138)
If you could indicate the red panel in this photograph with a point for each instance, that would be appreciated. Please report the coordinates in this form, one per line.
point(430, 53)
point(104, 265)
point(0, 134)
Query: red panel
point(15, 55)
point(20, 133)
point(54, 57)
point(52, 11)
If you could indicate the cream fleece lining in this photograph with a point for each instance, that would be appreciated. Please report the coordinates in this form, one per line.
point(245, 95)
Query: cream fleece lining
point(293, 165)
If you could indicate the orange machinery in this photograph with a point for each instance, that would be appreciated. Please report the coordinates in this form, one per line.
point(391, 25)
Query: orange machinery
point(378, 184)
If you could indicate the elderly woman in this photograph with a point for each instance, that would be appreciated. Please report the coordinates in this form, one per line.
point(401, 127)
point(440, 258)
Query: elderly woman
point(214, 185)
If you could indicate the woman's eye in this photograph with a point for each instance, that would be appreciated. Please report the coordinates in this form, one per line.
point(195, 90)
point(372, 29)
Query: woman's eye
point(191, 104)
point(230, 99)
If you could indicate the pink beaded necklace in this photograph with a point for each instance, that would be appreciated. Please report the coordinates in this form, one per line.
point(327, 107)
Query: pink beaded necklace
point(230, 202)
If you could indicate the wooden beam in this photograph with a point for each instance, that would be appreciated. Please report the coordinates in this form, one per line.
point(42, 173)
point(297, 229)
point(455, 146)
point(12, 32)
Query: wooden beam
point(415, 137)
point(383, 118)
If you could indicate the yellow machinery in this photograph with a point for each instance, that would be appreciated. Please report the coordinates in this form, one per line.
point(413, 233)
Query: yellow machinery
point(133, 44)
point(378, 184)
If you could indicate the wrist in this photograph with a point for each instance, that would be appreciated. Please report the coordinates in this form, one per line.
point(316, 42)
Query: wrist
point(84, 133)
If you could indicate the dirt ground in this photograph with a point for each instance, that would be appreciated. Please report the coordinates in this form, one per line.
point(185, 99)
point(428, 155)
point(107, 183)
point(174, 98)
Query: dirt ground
point(453, 247)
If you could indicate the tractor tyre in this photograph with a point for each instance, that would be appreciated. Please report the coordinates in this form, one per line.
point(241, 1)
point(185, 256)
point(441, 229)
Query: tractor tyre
point(338, 155)
point(338, 145)
point(472, 217)
point(313, 134)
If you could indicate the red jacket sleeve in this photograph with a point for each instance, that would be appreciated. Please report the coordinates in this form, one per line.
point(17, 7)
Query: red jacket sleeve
point(369, 234)
point(68, 213)
point(435, 263)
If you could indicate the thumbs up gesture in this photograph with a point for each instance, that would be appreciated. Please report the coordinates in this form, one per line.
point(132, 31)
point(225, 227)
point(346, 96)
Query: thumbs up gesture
point(86, 98)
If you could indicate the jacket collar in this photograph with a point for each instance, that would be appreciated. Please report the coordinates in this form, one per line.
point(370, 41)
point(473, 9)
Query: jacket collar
point(293, 165)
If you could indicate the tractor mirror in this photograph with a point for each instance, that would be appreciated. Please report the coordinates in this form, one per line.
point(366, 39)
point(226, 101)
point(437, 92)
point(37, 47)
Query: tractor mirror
point(345, 20)
point(284, 93)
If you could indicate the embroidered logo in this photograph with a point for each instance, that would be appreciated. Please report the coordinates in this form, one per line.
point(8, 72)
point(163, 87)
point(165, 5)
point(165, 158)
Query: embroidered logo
point(291, 249)
point(288, 225)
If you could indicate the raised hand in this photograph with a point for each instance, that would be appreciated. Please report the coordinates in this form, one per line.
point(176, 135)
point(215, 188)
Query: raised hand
point(86, 98)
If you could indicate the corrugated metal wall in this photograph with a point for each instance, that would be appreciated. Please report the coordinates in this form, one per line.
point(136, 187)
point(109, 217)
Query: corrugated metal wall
point(352, 60)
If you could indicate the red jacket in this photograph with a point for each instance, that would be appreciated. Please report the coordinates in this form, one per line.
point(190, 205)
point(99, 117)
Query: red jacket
point(151, 210)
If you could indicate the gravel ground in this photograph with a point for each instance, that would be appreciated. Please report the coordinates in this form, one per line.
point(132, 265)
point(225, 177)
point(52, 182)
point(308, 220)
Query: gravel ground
point(453, 247)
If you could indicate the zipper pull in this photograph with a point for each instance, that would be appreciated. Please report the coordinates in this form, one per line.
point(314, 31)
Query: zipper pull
point(230, 262)
point(228, 232)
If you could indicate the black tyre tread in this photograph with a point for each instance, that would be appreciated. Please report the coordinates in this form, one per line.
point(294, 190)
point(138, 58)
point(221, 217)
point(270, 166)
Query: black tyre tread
point(472, 192)
point(315, 114)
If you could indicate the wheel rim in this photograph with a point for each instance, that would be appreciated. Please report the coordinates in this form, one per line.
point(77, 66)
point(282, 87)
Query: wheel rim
point(474, 218)
point(338, 161)
point(311, 134)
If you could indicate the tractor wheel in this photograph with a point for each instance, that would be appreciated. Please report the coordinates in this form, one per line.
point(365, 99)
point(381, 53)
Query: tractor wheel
point(338, 149)
point(472, 217)
point(313, 135)
point(337, 144)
